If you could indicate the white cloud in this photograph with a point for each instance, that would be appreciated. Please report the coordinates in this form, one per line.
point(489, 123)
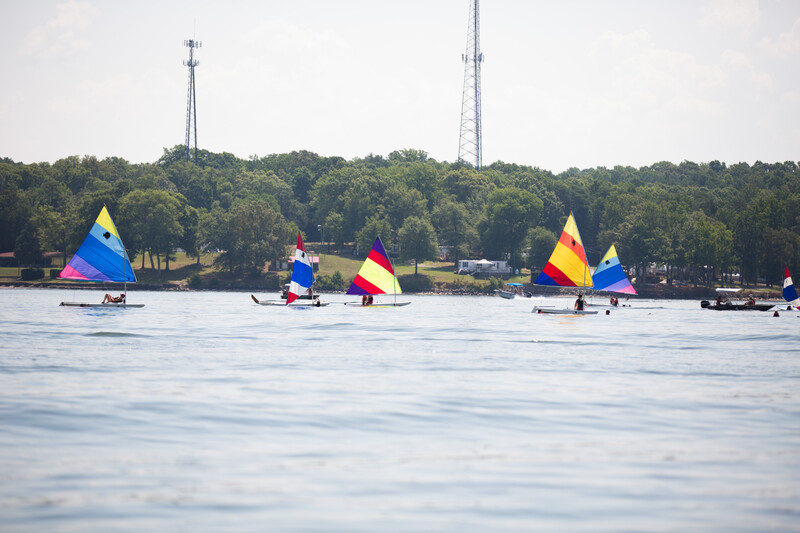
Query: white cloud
point(786, 45)
point(60, 35)
point(739, 61)
point(791, 97)
point(742, 14)
point(649, 77)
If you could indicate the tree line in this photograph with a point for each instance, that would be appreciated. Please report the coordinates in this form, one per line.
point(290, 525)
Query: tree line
point(702, 221)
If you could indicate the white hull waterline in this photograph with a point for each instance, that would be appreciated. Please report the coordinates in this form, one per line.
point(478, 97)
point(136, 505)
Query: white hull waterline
point(296, 303)
point(551, 311)
point(111, 304)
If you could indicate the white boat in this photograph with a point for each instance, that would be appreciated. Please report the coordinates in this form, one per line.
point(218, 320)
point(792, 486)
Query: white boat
point(567, 267)
point(377, 305)
point(554, 311)
point(101, 258)
point(298, 293)
point(297, 303)
point(515, 292)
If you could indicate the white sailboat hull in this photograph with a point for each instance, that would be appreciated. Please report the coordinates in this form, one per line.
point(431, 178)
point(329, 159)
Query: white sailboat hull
point(377, 304)
point(111, 304)
point(282, 303)
point(552, 311)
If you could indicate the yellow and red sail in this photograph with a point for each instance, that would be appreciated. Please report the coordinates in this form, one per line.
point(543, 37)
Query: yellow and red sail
point(376, 275)
point(567, 266)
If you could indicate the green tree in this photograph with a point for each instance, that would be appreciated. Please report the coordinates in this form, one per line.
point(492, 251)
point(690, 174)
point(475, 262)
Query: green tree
point(543, 242)
point(27, 249)
point(250, 235)
point(453, 224)
point(510, 213)
point(417, 241)
point(154, 217)
point(334, 226)
point(56, 228)
point(375, 226)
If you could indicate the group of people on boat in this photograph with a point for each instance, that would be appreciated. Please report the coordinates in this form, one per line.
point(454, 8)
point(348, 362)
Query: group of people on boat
point(366, 299)
point(724, 301)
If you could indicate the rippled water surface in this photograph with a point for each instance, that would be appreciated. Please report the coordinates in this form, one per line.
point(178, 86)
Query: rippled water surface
point(206, 412)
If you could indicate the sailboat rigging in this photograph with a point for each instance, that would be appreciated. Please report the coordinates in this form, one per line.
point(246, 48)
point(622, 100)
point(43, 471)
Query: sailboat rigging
point(376, 276)
point(302, 280)
point(567, 267)
point(101, 257)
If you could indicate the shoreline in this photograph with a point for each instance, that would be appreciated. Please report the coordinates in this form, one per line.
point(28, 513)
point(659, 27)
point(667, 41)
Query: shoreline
point(657, 292)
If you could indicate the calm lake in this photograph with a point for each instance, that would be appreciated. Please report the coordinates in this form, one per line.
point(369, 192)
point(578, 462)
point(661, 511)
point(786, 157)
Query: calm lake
point(205, 412)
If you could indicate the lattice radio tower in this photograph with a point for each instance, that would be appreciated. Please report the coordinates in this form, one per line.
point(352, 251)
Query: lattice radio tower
point(191, 105)
point(470, 145)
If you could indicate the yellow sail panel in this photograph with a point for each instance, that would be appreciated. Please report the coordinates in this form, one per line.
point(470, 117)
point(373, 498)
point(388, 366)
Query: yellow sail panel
point(104, 220)
point(379, 277)
point(569, 263)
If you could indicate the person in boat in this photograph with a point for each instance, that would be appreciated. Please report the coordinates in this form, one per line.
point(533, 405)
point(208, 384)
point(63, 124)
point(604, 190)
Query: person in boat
point(751, 301)
point(579, 303)
point(315, 301)
point(369, 300)
point(364, 300)
point(108, 299)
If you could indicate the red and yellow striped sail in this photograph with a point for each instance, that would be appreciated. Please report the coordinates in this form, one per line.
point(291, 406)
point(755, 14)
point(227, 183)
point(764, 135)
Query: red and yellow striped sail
point(567, 267)
point(376, 275)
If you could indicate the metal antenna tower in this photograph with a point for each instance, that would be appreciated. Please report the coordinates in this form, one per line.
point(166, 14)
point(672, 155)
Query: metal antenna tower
point(191, 106)
point(470, 145)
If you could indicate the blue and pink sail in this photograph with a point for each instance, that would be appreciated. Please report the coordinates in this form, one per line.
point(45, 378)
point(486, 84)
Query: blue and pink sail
point(610, 276)
point(302, 273)
point(101, 256)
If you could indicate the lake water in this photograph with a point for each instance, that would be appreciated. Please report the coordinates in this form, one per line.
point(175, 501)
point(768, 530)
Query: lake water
point(205, 412)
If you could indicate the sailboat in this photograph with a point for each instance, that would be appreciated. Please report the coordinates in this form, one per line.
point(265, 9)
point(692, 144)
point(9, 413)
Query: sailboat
point(567, 267)
point(789, 292)
point(101, 257)
point(302, 280)
point(609, 275)
point(376, 276)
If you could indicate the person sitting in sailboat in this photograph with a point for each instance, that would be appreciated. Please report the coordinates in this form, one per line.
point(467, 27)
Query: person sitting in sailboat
point(751, 300)
point(579, 303)
point(113, 299)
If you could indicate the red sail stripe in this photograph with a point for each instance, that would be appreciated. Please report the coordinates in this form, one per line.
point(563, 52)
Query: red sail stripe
point(380, 259)
point(367, 286)
point(567, 240)
point(558, 276)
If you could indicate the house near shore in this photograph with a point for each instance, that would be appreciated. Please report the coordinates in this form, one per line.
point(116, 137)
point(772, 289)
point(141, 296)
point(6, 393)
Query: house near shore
point(483, 268)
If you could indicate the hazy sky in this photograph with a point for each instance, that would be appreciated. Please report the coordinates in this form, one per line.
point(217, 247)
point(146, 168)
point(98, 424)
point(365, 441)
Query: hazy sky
point(565, 83)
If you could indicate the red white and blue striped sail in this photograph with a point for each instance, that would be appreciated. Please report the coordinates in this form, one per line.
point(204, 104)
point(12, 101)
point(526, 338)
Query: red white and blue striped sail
point(609, 275)
point(789, 292)
point(302, 273)
point(376, 275)
point(102, 255)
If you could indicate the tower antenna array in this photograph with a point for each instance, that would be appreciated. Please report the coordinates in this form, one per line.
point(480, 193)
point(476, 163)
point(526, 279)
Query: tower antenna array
point(470, 145)
point(191, 105)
